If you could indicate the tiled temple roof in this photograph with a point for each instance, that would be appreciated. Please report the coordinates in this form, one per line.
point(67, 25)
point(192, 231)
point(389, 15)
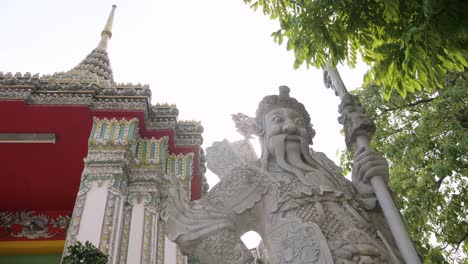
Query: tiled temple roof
point(91, 83)
point(95, 68)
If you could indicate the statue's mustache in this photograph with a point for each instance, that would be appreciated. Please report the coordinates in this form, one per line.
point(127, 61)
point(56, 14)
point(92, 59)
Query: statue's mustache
point(286, 136)
point(283, 138)
point(294, 138)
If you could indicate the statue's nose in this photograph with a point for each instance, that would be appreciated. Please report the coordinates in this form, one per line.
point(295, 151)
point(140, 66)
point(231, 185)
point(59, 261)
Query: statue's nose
point(289, 127)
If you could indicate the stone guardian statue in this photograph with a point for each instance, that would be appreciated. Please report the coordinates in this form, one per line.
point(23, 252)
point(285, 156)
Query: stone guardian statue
point(295, 198)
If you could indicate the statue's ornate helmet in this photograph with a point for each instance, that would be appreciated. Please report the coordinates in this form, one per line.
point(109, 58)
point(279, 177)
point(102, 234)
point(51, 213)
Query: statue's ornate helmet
point(248, 126)
point(283, 100)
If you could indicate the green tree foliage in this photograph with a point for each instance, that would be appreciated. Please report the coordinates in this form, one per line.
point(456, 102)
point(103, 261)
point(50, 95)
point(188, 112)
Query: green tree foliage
point(409, 44)
point(84, 254)
point(425, 139)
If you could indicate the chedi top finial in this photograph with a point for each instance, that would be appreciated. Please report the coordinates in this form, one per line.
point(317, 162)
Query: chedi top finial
point(106, 33)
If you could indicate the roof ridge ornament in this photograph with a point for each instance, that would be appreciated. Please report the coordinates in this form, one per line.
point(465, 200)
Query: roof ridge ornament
point(106, 33)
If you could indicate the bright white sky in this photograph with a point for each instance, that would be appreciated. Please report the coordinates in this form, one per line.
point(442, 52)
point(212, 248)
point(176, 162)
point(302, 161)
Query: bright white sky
point(211, 58)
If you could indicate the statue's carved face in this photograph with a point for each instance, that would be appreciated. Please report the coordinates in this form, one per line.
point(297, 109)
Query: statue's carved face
point(288, 122)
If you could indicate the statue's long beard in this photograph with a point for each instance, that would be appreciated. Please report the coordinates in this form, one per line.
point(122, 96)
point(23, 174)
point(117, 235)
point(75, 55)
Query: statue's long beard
point(296, 162)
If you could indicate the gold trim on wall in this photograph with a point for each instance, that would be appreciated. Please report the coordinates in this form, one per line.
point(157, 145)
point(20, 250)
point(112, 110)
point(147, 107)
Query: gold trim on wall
point(31, 247)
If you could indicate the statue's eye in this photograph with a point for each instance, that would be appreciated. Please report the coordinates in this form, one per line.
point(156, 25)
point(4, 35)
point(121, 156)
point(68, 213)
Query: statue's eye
point(277, 119)
point(300, 122)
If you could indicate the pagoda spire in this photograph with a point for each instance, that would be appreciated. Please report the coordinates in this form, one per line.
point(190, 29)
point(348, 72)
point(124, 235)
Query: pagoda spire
point(95, 68)
point(106, 33)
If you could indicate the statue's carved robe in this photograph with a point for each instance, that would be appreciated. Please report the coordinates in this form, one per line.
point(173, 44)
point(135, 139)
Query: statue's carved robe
point(326, 222)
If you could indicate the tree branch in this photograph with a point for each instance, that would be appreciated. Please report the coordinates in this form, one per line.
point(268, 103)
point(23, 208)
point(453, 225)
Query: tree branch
point(422, 101)
point(461, 241)
point(439, 182)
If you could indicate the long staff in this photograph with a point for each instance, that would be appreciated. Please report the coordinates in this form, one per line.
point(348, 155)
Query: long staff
point(359, 136)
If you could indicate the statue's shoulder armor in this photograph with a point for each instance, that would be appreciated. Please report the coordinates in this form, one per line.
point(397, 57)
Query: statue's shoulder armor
point(239, 190)
point(326, 162)
point(241, 182)
point(337, 171)
point(223, 156)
